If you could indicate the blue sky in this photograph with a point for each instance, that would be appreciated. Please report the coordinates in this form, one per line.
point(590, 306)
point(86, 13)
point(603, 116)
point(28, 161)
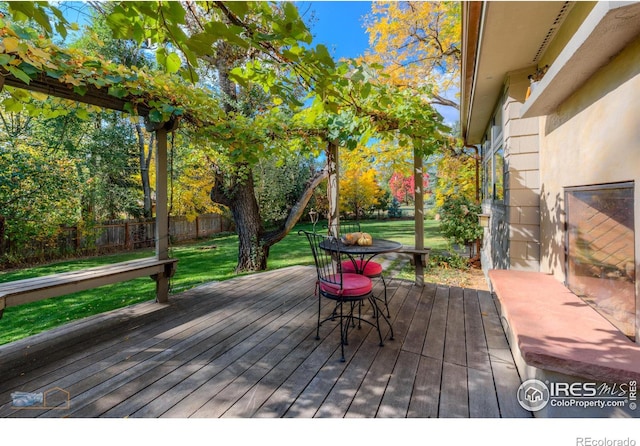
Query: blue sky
point(338, 25)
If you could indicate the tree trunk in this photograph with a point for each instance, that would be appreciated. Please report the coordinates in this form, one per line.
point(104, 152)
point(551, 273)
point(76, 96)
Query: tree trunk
point(272, 237)
point(145, 161)
point(254, 243)
point(252, 254)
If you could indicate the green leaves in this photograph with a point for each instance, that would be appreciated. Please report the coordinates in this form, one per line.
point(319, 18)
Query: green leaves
point(322, 55)
point(125, 21)
point(223, 31)
point(240, 9)
point(170, 61)
point(173, 63)
point(11, 105)
point(37, 11)
point(117, 91)
point(25, 56)
point(19, 74)
point(155, 116)
point(82, 114)
point(201, 43)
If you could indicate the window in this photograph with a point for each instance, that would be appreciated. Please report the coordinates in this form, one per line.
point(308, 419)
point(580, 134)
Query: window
point(493, 174)
point(486, 170)
point(600, 251)
point(493, 160)
point(498, 174)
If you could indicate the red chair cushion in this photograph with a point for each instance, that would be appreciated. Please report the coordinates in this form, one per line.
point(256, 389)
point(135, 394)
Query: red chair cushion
point(352, 285)
point(372, 269)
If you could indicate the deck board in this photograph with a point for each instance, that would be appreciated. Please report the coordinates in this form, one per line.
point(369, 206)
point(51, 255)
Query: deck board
point(369, 396)
point(416, 336)
point(425, 398)
point(436, 328)
point(455, 351)
point(454, 391)
point(247, 348)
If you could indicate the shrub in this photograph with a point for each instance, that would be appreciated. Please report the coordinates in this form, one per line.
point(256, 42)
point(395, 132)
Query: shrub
point(453, 261)
point(459, 220)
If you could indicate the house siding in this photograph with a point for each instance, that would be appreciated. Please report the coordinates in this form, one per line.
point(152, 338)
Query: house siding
point(514, 233)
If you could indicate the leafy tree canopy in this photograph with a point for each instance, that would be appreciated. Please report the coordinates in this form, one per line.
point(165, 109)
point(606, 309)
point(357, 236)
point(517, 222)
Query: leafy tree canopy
point(348, 103)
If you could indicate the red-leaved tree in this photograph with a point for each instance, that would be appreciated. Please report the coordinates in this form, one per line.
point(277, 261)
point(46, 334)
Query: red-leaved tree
point(403, 187)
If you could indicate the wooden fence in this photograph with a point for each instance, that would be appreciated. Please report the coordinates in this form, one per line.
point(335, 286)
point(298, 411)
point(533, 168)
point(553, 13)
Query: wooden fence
point(115, 236)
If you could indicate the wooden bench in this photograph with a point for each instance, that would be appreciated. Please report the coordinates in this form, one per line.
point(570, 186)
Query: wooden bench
point(419, 259)
point(24, 291)
point(556, 337)
point(418, 256)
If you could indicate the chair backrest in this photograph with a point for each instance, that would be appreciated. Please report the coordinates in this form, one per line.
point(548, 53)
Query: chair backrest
point(329, 270)
point(345, 227)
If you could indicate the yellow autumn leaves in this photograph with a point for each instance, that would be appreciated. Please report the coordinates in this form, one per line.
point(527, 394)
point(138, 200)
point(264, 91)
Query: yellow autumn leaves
point(416, 42)
point(359, 191)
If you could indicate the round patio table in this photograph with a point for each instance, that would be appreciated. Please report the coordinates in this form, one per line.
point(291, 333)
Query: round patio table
point(366, 253)
point(363, 253)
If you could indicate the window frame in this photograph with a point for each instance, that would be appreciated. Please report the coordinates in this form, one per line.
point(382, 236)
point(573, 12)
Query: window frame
point(494, 182)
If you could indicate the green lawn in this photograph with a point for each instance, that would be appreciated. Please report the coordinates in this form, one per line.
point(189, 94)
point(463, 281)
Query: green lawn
point(213, 259)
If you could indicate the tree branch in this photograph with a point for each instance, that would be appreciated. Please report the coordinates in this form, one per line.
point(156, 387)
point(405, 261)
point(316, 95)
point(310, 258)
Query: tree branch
point(440, 100)
point(217, 193)
point(273, 237)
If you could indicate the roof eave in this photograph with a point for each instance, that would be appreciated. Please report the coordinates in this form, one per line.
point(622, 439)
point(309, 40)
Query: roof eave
point(471, 24)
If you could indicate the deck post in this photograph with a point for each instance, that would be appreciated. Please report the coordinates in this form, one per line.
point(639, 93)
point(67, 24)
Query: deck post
point(419, 211)
point(162, 218)
point(333, 190)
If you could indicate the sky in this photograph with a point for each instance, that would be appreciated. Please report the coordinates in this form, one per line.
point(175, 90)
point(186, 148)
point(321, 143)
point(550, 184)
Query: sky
point(339, 25)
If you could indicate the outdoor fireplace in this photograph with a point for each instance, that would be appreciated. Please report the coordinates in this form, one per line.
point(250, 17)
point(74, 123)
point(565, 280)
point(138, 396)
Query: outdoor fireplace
point(600, 251)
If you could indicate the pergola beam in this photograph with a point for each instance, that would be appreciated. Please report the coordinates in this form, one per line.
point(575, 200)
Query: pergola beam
point(94, 95)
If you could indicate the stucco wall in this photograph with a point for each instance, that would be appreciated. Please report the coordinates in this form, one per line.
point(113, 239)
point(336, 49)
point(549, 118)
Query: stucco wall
point(593, 138)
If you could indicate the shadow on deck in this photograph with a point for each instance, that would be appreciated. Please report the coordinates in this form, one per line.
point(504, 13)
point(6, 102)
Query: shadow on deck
point(246, 348)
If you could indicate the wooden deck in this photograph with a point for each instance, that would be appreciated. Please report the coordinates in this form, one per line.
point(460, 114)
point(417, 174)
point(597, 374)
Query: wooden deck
point(246, 348)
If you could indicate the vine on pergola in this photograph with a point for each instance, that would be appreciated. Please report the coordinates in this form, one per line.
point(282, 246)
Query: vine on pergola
point(346, 101)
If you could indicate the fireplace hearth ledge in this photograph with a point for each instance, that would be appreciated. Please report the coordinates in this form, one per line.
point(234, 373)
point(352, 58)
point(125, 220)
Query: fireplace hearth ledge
point(556, 337)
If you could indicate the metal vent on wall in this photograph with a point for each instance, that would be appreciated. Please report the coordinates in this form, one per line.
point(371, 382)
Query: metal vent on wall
point(562, 14)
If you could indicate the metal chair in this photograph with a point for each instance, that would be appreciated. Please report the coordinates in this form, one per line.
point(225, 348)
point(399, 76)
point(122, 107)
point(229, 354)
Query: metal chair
point(348, 290)
point(368, 268)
